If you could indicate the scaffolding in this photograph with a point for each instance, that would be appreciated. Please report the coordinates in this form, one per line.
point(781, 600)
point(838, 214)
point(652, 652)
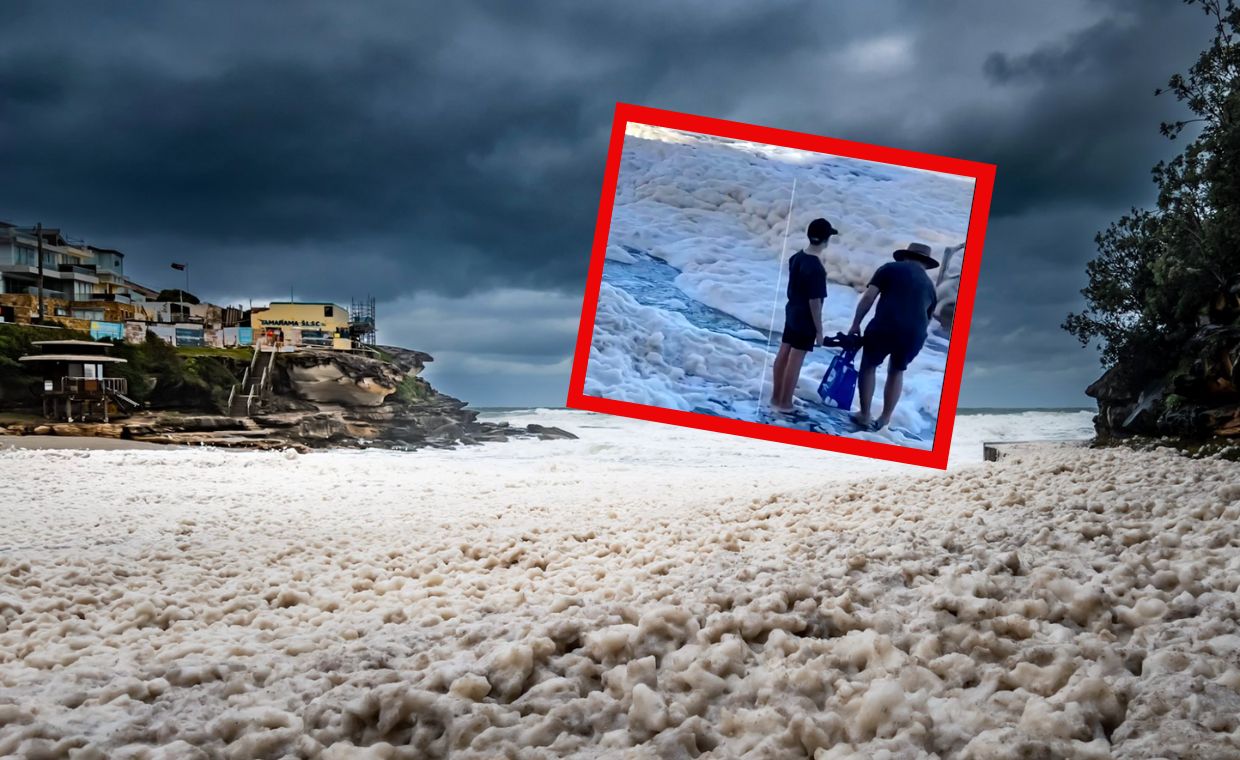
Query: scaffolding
point(362, 320)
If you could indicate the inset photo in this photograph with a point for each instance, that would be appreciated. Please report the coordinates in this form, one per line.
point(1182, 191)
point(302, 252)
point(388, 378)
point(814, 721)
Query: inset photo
point(780, 285)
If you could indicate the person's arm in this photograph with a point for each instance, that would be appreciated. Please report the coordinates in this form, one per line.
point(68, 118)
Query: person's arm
point(863, 307)
point(815, 311)
point(818, 296)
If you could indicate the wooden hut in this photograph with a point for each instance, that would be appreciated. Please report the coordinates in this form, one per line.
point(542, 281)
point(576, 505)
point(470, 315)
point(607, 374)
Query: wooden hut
point(75, 386)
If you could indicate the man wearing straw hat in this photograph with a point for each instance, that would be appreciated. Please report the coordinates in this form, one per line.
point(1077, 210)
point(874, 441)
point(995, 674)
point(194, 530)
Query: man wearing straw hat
point(906, 301)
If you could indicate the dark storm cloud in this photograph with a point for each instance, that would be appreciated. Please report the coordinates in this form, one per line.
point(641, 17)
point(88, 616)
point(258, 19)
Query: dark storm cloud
point(384, 129)
point(1055, 62)
point(1087, 130)
point(427, 152)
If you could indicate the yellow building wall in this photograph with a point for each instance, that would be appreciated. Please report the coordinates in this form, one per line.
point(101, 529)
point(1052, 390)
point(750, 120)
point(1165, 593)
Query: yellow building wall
point(292, 318)
point(301, 315)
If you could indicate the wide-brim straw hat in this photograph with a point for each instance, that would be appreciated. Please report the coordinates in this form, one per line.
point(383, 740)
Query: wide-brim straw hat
point(918, 252)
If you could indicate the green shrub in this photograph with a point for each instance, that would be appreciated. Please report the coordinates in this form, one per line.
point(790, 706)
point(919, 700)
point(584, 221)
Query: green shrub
point(412, 390)
point(157, 373)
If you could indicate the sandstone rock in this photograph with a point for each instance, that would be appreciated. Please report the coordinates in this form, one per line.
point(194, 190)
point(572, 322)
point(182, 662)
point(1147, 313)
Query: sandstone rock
point(109, 430)
point(275, 404)
point(322, 398)
point(322, 428)
point(201, 422)
point(1116, 384)
point(280, 420)
point(336, 377)
point(1196, 400)
point(407, 360)
point(1224, 421)
point(71, 429)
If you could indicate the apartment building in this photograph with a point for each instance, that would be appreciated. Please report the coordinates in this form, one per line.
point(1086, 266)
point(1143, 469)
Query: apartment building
point(80, 282)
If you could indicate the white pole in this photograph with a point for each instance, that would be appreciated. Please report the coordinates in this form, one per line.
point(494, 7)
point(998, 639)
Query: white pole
point(779, 273)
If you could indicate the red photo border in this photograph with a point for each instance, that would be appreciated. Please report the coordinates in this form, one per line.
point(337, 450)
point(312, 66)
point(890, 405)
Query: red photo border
point(984, 176)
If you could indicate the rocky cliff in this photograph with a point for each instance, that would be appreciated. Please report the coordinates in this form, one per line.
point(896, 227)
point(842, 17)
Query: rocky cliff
point(1198, 399)
point(316, 398)
point(334, 377)
point(333, 398)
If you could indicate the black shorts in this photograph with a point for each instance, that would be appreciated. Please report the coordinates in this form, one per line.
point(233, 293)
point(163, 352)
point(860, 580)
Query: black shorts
point(901, 345)
point(799, 340)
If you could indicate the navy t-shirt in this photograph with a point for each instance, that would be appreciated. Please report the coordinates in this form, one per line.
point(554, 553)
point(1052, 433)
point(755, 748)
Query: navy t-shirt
point(807, 280)
point(907, 297)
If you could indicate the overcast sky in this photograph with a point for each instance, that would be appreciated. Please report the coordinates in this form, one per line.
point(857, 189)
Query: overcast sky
point(446, 158)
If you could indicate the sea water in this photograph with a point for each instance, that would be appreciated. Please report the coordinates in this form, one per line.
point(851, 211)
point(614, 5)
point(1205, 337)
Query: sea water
point(637, 443)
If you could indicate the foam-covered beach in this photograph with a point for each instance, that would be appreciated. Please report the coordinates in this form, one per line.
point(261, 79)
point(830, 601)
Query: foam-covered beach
point(644, 591)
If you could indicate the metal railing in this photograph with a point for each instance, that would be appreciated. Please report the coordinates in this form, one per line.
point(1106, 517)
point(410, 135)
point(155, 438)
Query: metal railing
point(255, 382)
point(76, 268)
point(93, 385)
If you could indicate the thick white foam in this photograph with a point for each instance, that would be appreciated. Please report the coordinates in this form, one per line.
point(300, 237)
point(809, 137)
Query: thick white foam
point(645, 587)
point(717, 210)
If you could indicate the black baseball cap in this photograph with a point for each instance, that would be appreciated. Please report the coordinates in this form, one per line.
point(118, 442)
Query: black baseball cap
point(819, 230)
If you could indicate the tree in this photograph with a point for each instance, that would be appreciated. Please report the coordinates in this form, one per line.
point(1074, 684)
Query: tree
point(176, 296)
point(1158, 272)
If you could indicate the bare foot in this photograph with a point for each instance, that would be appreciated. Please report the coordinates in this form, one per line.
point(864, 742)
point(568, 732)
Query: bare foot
point(881, 423)
point(783, 409)
point(863, 420)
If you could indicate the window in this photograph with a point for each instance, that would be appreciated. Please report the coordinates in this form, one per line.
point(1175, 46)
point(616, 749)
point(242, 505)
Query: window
point(315, 338)
point(93, 314)
point(328, 311)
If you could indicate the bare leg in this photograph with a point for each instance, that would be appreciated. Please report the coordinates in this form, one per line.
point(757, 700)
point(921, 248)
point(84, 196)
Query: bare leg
point(792, 374)
point(865, 394)
point(891, 395)
point(777, 380)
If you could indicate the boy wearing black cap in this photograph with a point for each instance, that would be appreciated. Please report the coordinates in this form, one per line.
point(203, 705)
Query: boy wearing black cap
point(807, 288)
point(906, 301)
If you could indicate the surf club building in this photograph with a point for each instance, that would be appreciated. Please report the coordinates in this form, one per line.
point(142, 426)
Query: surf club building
point(313, 324)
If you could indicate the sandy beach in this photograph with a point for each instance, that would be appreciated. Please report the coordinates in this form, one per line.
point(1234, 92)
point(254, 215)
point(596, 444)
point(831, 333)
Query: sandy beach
point(624, 595)
point(76, 442)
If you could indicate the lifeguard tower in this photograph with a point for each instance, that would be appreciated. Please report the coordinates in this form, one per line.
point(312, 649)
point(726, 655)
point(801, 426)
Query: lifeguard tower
point(75, 388)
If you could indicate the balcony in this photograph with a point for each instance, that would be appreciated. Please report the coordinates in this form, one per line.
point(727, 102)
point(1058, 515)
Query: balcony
point(77, 272)
point(47, 293)
point(92, 386)
point(111, 297)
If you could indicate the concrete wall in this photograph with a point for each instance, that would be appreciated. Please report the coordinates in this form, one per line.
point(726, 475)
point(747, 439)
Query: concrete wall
point(135, 332)
point(26, 308)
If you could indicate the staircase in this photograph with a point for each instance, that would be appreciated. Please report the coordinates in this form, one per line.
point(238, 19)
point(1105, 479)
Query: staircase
point(244, 398)
point(124, 401)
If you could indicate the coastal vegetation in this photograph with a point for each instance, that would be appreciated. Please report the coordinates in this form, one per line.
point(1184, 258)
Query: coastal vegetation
point(159, 376)
point(1163, 299)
